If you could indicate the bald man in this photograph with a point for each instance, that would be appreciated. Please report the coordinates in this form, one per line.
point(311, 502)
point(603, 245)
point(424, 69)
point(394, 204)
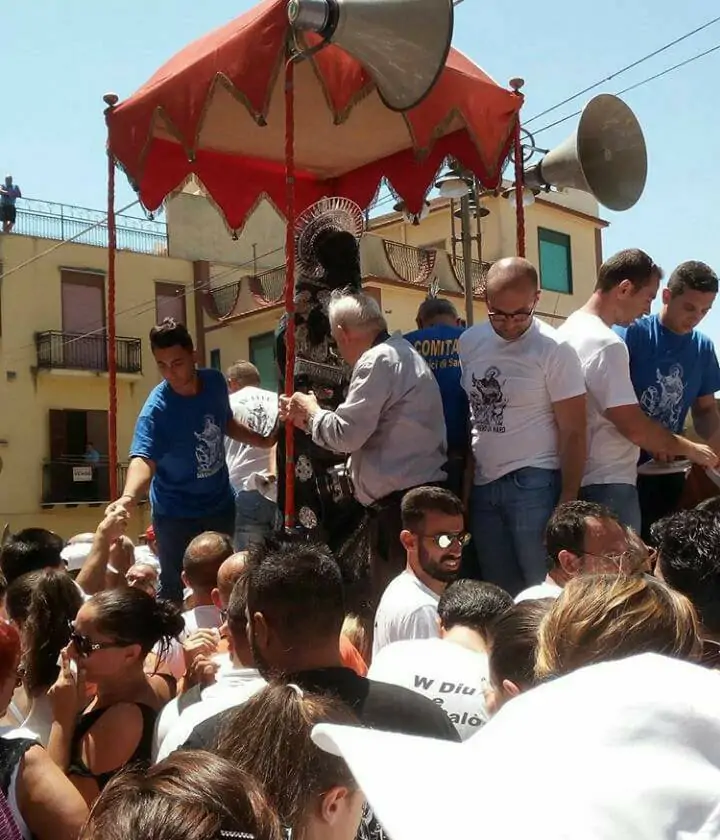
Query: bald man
point(527, 415)
point(202, 561)
point(226, 674)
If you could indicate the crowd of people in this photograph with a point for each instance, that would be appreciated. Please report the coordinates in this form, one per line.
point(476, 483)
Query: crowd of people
point(107, 736)
point(497, 593)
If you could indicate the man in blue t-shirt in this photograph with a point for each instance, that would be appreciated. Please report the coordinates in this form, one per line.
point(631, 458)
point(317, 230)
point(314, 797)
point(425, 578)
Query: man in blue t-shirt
point(178, 450)
point(674, 370)
point(436, 341)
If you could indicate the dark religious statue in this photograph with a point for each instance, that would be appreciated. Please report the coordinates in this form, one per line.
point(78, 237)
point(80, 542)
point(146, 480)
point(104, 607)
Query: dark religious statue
point(328, 258)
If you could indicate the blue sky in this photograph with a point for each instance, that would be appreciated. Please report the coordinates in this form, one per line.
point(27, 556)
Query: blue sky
point(60, 58)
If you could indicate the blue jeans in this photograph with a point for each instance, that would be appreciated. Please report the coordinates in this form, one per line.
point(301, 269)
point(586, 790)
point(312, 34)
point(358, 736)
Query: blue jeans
point(622, 499)
point(509, 516)
point(255, 518)
point(173, 536)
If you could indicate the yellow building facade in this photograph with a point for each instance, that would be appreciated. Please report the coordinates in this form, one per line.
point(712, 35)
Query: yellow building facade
point(400, 261)
point(228, 289)
point(53, 360)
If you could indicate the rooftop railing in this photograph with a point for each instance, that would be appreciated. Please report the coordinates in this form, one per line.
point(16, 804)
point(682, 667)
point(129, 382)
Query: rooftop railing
point(48, 220)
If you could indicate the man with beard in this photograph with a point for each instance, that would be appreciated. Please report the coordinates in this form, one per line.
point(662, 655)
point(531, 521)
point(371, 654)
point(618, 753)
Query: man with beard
point(295, 610)
point(433, 536)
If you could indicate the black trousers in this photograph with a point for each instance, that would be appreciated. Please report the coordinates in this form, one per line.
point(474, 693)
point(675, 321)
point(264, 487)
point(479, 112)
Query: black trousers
point(659, 496)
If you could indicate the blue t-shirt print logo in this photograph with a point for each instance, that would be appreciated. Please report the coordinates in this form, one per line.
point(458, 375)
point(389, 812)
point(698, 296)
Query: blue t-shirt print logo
point(185, 438)
point(665, 399)
point(209, 450)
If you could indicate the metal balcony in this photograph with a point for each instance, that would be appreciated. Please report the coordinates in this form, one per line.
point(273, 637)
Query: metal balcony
point(50, 220)
point(77, 351)
point(74, 481)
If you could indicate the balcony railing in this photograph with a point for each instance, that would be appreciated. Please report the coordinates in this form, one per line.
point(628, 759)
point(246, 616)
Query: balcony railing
point(49, 220)
point(73, 481)
point(478, 273)
point(76, 351)
point(412, 265)
point(268, 286)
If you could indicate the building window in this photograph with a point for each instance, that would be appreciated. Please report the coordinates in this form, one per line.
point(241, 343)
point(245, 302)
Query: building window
point(83, 301)
point(215, 359)
point(77, 470)
point(170, 302)
point(555, 261)
point(82, 298)
point(262, 355)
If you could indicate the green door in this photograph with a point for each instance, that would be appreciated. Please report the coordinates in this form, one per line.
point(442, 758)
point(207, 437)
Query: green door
point(262, 355)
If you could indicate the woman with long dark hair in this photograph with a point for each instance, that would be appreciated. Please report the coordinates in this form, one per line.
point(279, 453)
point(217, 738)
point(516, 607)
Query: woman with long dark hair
point(42, 605)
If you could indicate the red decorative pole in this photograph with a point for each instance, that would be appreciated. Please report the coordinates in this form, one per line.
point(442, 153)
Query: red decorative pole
point(111, 100)
point(290, 286)
point(516, 85)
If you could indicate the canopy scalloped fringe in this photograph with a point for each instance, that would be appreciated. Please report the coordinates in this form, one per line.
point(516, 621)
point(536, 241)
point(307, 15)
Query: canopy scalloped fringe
point(237, 185)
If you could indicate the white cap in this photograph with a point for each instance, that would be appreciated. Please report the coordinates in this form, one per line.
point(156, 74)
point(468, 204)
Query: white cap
point(75, 554)
point(142, 554)
point(627, 749)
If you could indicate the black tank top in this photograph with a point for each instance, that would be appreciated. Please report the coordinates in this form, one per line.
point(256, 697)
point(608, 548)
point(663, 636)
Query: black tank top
point(141, 755)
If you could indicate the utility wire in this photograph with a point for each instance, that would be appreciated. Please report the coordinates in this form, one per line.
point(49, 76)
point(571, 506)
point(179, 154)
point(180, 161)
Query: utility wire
point(135, 311)
point(624, 70)
point(637, 85)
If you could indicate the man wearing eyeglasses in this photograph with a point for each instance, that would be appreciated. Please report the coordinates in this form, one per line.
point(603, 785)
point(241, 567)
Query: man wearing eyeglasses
point(527, 417)
point(433, 537)
point(581, 538)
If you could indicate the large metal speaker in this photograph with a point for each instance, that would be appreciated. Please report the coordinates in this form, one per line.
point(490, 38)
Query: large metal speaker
point(403, 44)
point(605, 157)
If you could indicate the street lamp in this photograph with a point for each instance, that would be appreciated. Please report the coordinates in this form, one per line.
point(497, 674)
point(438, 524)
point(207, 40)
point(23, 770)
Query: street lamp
point(413, 218)
point(458, 183)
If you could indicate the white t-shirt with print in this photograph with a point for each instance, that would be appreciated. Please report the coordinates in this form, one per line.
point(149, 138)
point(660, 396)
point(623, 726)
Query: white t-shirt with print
point(511, 386)
point(258, 410)
point(449, 674)
point(612, 458)
point(407, 610)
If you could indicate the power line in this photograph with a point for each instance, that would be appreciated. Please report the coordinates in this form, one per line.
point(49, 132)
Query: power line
point(624, 70)
point(637, 85)
point(139, 308)
point(136, 310)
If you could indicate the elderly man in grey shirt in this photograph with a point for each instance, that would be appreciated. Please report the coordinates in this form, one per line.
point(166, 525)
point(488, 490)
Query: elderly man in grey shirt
point(391, 422)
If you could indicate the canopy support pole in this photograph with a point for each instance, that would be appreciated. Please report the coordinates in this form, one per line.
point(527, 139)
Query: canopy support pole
point(519, 192)
point(111, 100)
point(290, 286)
